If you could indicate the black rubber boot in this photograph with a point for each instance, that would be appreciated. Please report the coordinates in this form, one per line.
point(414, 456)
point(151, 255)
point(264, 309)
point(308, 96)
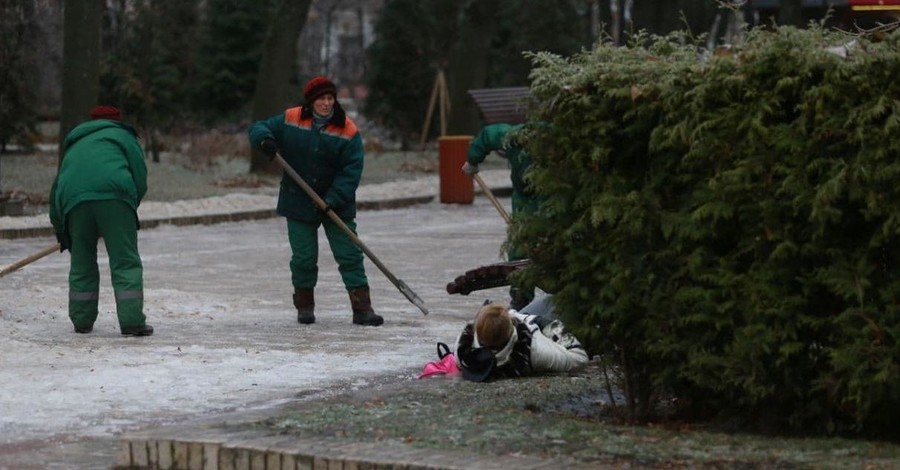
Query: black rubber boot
point(305, 302)
point(144, 330)
point(519, 298)
point(362, 307)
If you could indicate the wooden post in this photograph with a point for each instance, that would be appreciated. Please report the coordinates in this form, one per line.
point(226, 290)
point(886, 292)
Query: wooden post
point(441, 98)
point(445, 102)
point(435, 91)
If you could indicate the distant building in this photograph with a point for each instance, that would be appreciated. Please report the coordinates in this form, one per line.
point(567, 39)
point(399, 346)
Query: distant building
point(844, 13)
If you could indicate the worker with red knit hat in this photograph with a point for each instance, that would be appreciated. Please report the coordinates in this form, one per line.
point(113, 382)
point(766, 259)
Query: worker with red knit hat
point(101, 180)
point(323, 145)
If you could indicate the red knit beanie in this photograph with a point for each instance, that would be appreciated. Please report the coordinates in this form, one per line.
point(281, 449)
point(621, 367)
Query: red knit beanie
point(317, 87)
point(106, 112)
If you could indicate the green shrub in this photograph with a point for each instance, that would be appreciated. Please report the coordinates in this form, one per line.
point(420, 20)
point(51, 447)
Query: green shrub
point(725, 226)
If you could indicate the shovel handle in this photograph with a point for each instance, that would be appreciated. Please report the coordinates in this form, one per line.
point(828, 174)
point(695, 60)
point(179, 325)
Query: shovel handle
point(30, 259)
point(487, 192)
point(404, 289)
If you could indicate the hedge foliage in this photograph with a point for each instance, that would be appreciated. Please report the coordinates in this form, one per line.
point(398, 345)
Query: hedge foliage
point(724, 227)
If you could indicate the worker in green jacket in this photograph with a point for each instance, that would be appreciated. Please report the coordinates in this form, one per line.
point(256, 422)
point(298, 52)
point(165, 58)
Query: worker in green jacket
point(325, 148)
point(100, 183)
point(502, 139)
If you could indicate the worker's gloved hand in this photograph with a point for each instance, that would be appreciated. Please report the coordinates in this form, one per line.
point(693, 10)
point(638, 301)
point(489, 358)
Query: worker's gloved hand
point(469, 168)
point(63, 242)
point(324, 210)
point(269, 146)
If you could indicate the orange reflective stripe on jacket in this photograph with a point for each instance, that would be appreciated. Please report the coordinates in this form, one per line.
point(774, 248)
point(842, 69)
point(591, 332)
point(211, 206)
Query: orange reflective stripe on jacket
point(293, 117)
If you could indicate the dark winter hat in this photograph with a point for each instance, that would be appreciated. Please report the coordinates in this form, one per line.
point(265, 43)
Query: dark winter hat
point(106, 112)
point(317, 87)
point(476, 364)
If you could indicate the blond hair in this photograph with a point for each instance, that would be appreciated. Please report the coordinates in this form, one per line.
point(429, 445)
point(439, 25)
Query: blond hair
point(493, 326)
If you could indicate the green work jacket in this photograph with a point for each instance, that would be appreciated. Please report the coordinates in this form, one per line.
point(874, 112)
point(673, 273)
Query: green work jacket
point(330, 160)
point(497, 138)
point(102, 160)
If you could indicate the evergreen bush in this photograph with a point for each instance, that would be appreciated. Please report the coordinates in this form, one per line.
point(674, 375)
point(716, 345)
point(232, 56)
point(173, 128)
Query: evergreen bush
point(724, 226)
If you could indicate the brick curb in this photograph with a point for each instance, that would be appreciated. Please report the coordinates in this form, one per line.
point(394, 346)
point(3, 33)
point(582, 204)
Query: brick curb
point(210, 219)
point(219, 449)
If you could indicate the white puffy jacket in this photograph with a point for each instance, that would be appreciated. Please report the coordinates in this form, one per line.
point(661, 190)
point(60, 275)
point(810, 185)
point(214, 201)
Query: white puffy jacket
point(552, 348)
point(530, 348)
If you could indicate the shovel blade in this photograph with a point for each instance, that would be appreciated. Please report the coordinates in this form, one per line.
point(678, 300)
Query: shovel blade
point(411, 296)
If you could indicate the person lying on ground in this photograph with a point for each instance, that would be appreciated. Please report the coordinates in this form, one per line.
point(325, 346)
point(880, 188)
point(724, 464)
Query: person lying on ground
point(502, 343)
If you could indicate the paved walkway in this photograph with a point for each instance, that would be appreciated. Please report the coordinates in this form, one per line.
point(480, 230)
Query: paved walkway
point(227, 341)
point(238, 207)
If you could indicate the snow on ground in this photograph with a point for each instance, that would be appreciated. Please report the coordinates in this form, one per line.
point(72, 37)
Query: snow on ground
point(149, 210)
point(226, 335)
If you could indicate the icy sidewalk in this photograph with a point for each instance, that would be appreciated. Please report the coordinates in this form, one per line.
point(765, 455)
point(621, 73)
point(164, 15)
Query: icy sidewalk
point(240, 206)
point(226, 337)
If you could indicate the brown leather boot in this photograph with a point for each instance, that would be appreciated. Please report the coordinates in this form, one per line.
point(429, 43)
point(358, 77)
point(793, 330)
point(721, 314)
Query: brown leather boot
point(305, 303)
point(362, 307)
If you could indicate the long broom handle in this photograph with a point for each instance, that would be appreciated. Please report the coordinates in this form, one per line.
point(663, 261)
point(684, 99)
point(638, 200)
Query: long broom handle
point(340, 223)
point(31, 259)
point(487, 192)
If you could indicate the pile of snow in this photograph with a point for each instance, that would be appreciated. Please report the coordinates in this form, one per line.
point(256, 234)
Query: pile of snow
point(240, 202)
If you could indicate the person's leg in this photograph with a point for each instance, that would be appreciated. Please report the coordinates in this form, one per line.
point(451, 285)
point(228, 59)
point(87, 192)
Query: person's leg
point(304, 240)
point(541, 306)
point(349, 257)
point(84, 275)
point(520, 294)
point(347, 254)
point(118, 225)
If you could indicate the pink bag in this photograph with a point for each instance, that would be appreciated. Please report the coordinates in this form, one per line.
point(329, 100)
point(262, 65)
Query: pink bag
point(446, 365)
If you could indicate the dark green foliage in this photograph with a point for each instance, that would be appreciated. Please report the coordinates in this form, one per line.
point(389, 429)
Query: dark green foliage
point(674, 15)
point(232, 35)
point(151, 66)
point(532, 25)
point(405, 58)
point(725, 227)
point(406, 55)
point(18, 27)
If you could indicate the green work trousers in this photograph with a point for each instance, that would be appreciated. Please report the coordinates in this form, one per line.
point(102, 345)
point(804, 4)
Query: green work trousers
point(115, 222)
point(520, 293)
point(304, 240)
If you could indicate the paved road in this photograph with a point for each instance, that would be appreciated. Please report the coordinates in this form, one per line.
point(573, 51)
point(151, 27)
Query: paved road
point(226, 336)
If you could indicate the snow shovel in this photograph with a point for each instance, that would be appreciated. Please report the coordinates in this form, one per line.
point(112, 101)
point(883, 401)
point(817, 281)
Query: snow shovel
point(340, 223)
point(487, 192)
point(31, 259)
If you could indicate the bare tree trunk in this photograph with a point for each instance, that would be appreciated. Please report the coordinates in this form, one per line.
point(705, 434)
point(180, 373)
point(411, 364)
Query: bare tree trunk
point(152, 145)
point(81, 62)
point(713, 37)
point(615, 27)
point(273, 92)
point(595, 20)
point(734, 30)
point(328, 42)
point(329, 21)
point(469, 64)
point(791, 13)
point(627, 17)
point(361, 19)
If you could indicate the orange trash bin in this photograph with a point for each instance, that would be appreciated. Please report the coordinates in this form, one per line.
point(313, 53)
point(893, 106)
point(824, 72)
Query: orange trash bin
point(456, 186)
